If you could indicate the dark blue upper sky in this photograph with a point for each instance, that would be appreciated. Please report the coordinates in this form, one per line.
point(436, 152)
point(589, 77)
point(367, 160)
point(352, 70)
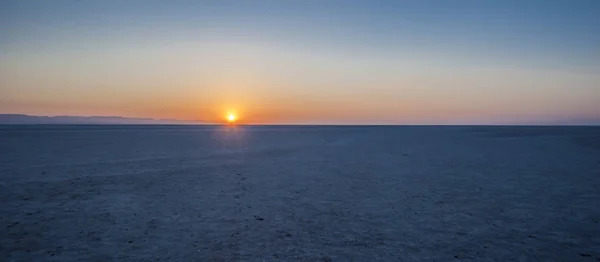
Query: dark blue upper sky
point(567, 29)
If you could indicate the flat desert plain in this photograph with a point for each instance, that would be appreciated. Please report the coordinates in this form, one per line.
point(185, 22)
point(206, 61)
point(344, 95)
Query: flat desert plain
point(299, 193)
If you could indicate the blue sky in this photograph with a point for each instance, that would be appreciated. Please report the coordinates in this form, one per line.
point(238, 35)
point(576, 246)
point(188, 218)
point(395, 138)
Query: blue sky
point(346, 61)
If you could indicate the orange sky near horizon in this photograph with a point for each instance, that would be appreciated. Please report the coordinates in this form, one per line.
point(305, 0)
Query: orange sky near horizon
point(326, 89)
point(408, 100)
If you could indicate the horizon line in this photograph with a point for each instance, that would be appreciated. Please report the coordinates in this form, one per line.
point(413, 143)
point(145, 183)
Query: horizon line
point(207, 123)
point(308, 125)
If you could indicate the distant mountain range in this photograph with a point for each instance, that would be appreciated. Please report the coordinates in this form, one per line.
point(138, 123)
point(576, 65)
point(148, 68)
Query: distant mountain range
point(6, 119)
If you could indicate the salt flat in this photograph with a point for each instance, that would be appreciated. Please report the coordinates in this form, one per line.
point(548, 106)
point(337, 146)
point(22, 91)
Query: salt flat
point(289, 193)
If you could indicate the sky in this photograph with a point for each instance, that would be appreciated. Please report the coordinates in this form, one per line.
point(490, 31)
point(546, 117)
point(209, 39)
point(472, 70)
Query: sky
point(304, 62)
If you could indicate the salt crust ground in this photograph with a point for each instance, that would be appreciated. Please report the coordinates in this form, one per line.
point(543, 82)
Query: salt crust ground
point(138, 193)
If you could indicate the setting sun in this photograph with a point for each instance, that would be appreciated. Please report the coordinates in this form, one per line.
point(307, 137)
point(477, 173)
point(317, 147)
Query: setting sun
point(231, 118)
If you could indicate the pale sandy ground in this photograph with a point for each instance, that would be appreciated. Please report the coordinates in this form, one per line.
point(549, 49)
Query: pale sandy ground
point(299, 194)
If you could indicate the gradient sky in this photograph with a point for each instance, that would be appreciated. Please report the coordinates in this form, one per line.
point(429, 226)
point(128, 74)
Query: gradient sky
point(320, 62)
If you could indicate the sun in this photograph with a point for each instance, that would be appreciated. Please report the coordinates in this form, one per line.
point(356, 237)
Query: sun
point(231, 118)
